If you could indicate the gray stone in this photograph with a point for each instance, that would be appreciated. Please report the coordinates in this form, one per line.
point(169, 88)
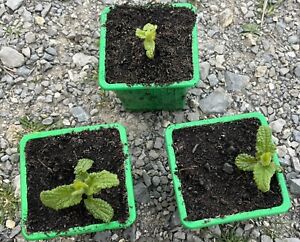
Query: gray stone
point(153, 154)
point(46, 9)
point(1, 94)
point(255, 233)
point(48, 57)
point(192, 116)
point(226, 17)
point(216, 102)
point(215, 230)
point(156, 181)
point(14, 4)
point(297, 70)
point(291, 240)
point(284, 71)
point(296, 135)
point(102, 236)
point(146, 178)
point(38, 7)
point(213, 80)
point(158, 143)
point(295, 185)
point(228, 168)
point(235, 82)
point(204, 70)
point(29, 37)
point(51, 51)
point(14, 232)
point(47, 121)
point(179, 235)
point(296, 164)
point(293, 39)
point(193, 238)
point(23, 71)
point(11, 57)
point(80, 114)
point(141, 193)
point(80, 59)
point(277, 125)
point(266, 238)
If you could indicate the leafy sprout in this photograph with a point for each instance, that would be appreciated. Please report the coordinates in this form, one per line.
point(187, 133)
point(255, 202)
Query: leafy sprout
point(262, 165)
point(85, 183)
point(148, 34)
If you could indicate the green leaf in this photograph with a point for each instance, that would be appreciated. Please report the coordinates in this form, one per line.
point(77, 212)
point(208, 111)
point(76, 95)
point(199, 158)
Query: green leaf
point(266, 159)
point(264, 142)
point(83, 165)
point(262, 176)
point(99, 209)
point(61, 197)
point(101, 180)
point(149, 46)
point(250, 28)
point(140, 33)
point(245, 162)
point(81, 168)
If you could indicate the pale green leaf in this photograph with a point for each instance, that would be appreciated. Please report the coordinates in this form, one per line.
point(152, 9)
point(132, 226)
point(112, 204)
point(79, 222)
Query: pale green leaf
point(140, 33)
point(99, 209)
point(264, 142)
point(245, 162)
point(83, 165)
point(81, 169)
point(61, 197)
point(101, 180)
point(149, 46)
point(262, 176)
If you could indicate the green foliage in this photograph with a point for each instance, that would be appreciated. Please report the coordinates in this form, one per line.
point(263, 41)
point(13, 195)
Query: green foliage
point(262, 165)
point(85, 183)
point(8, 203)
point(251, 28)
point(31, 126)
point(271, 6)
point(148, 34)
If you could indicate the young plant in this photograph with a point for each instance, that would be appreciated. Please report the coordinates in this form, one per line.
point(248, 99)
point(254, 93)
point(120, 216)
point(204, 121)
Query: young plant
point(148, 34)
point(262, 165)
point(85, 183)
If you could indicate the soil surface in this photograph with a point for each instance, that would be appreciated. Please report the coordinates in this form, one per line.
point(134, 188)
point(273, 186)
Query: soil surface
point(126, 60)
point(208, 191)
point(51, 162)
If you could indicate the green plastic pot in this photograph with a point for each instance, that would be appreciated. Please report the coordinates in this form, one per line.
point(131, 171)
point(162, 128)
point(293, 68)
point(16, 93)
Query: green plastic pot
point(141, 97)
point(229, 218)
point(76, 230)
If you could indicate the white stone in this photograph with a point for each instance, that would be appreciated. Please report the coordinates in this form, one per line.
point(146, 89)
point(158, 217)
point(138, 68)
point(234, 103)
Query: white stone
point(14, 4)
point(277, 125)
point(80, 59)
point(11, 57)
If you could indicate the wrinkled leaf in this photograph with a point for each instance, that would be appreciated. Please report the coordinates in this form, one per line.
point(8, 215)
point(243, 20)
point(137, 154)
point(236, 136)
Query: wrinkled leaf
point(149, 46)
point(266, 159)
point(250, 28)
point(262, 176)
point(101, 180)
point(264, 142)
point(60, 197)
point(245, 162)
point(99, 209)
point(81, 168)
point(140, 33)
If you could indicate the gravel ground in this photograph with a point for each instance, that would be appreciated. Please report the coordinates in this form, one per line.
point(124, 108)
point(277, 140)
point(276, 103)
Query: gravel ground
point(48, 73)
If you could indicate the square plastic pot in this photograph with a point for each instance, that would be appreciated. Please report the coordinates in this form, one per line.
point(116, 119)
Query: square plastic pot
point(139, 97)
point(76, 230)
point(229, 218)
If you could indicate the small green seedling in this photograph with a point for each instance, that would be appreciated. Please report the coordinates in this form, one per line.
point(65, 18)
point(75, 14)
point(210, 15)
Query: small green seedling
point(85, 183)
point(148, 34)
point(262, 165)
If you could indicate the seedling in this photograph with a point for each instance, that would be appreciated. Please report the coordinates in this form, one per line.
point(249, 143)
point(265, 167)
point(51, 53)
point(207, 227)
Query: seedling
point(262, 165)
point(85, 183)
point(250, 28)
point(148, 34)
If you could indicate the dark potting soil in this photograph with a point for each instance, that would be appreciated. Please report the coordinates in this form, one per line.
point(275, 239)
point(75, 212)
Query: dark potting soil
point(51, 162)
point(126, 60)
point(207, 190)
